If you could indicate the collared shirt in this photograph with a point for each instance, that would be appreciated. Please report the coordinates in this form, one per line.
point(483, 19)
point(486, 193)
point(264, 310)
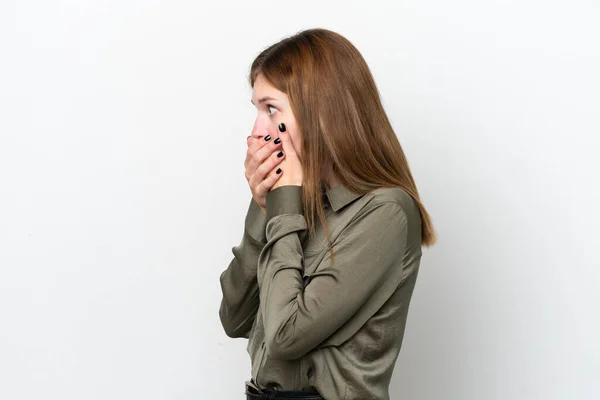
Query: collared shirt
point(310, 324)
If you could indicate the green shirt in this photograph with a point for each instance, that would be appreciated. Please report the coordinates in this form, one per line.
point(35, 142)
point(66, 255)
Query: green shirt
point(337, 328)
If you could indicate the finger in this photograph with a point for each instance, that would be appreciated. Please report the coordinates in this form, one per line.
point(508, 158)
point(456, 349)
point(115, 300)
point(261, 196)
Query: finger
point(286, 140)
point(276, 158)
point(256, 143)
point(267, 166)
point(252, 144)
point(249, 144)
point(270, 180)
point(266, 149)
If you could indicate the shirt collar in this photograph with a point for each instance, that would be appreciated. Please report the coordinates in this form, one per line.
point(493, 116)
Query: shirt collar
point(340, 196)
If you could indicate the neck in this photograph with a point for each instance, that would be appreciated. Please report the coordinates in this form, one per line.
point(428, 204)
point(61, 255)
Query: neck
point(331, 180)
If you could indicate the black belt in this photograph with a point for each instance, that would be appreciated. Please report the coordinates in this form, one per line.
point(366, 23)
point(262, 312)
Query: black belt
point(254, 393)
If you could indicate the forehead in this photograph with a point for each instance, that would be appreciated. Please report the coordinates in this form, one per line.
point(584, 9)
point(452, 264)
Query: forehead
point(262, 88)
point(261, 83)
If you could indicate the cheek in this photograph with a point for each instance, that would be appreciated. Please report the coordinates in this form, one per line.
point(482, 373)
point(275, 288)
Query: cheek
point(296, 142)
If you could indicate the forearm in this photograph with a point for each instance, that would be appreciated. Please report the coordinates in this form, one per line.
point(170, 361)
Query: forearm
point(238, 282)
point(368, 254)
point(240, 296)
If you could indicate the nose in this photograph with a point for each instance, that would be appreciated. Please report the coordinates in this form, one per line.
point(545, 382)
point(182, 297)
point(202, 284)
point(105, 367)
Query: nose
point(260, 129)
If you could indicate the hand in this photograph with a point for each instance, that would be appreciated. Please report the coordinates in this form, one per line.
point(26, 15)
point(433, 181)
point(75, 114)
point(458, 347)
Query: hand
point(261, 168)
point(291, 167)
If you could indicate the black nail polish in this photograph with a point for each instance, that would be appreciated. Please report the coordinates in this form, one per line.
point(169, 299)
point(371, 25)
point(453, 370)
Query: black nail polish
point(280, 154)
point(278, 171)
point(277, 141)
point(282, 127)
point(267, 138)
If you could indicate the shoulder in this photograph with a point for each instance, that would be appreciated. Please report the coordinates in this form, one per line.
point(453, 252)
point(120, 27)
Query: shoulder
point(396, 195)
point(392, 201)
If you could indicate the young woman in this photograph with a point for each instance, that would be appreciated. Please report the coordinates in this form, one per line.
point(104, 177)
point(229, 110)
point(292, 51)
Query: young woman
point(322, 279)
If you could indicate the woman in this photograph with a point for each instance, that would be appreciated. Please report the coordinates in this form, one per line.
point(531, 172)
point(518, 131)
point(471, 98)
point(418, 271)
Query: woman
point(322, 279)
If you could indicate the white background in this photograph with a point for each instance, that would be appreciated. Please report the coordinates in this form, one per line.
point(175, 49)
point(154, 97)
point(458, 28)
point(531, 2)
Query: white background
point(122, 192)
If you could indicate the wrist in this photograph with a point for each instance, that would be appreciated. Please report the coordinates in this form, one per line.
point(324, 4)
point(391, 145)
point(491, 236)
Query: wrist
point(284, 200)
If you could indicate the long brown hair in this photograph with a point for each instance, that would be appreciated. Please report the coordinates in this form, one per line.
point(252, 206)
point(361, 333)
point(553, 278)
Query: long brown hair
point(341, 118)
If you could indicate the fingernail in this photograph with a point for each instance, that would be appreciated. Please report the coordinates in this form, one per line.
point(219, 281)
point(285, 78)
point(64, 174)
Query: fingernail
point(280, 154)
point(277, 141)
point(278, 171)
point(282, 127)
point(248, 138)
point(267, 138)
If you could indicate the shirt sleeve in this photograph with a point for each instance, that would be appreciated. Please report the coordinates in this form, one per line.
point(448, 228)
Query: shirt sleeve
point(239, 303)
point(368, 254)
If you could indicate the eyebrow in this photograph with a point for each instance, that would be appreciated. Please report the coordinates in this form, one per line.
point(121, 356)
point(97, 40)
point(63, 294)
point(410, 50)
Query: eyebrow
point(264, 99)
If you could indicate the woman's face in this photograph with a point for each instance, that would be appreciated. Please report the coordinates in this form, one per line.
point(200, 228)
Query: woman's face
point(273, 108)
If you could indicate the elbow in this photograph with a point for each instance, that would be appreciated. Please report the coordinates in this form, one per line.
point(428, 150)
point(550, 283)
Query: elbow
point(232, 331)
point(231, 328)
point(284, 348)
point(236, 333)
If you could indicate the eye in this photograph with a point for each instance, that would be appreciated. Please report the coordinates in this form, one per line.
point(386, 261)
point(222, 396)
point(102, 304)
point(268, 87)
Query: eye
point(269, 107)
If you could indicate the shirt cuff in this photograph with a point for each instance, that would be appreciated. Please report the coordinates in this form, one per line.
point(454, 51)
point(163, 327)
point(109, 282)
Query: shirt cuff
point(284, 200)
point(256, 222)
